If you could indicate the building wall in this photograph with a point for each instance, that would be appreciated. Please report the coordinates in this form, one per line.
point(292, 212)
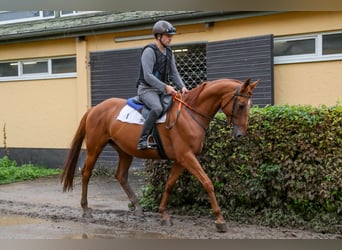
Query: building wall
point(40, 113)
point(308, 83)
point(44, 114)
point(288, 79)
point(320, 81)
point(37, 49)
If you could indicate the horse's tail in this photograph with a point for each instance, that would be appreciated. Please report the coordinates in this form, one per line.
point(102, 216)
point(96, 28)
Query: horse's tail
point(67, 176)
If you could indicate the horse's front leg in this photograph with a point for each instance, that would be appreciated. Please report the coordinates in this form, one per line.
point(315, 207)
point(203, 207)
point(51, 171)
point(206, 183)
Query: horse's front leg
point(190, 162)
point(175, 172)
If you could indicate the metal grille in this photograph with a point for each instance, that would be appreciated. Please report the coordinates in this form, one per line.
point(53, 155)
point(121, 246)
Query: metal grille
point(191, 63)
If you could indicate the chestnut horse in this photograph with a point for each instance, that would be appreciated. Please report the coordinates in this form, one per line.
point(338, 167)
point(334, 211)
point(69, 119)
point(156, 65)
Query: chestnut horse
point(182, 142)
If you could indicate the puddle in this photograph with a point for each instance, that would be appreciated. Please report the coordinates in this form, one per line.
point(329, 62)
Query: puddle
point(111, 233)
point(10, 220)
point(121, 235)
point(23, 227)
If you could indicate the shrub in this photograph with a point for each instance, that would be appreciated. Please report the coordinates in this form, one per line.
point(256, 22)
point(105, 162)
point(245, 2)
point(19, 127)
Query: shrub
point(11, 172)
point(286, 171)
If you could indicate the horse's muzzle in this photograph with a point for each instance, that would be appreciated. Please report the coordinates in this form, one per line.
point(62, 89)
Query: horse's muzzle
point(238, 133)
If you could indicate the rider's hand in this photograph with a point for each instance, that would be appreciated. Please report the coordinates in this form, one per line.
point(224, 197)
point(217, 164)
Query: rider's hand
point(170, 90)
point(185, 90)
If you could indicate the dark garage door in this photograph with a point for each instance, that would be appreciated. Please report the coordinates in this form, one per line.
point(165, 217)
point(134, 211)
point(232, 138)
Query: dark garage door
point(113, 74)
point(250, 57)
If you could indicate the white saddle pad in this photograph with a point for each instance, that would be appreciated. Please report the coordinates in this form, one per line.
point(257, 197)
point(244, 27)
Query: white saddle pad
point(130, 115)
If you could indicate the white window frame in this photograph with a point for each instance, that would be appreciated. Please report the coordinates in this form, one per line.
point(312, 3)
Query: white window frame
point(27, 19)
point(74, 12)
point(41, 16)
point(37, 76)
point(314, 57)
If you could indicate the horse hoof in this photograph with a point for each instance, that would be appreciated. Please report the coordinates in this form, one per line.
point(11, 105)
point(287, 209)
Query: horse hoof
point(139, 213)
point(221, 227)
point(87, 214)
point(166, 223)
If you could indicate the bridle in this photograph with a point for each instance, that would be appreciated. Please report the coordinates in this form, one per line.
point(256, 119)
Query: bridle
point(234, 97)
point(191, 110)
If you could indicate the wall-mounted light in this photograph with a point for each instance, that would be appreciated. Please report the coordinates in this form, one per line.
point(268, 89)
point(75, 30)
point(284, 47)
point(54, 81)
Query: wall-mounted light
point(29, 63)
point(180, 50)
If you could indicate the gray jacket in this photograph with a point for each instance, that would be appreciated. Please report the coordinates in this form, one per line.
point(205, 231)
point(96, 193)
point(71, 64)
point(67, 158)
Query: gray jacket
point(148, 60)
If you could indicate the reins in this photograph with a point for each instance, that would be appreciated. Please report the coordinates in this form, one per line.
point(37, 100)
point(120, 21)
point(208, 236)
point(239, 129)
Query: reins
point(180, 102)
point(190, 108)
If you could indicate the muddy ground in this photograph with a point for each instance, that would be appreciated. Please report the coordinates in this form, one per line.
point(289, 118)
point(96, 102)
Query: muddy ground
point(39, 209)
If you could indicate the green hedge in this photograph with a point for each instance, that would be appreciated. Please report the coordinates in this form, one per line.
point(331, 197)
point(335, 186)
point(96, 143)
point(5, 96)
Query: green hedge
point(286, 171)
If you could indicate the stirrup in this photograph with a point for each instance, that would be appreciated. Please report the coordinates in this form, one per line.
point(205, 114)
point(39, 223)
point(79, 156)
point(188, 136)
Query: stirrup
point(151, 143)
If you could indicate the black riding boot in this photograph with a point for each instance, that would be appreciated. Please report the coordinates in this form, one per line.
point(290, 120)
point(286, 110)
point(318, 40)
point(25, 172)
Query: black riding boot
point(145, 133)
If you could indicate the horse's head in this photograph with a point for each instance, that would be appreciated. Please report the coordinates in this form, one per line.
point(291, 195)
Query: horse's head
point(237, 108)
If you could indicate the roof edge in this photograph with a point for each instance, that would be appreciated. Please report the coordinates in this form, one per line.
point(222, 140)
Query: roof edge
point(182, 18)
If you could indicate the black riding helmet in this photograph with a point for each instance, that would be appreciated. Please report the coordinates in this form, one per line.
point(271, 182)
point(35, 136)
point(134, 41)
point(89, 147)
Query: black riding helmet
point(163, 27)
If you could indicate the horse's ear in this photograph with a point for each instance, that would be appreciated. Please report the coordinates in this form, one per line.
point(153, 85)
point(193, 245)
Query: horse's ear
point(245, 85)
point(254, 84)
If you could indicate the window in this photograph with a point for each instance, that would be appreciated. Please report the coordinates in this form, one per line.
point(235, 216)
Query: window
point(63, 65)
point(48, 13)
point(25, 16)
point(294, 47)
point(12, 15)
point(38, 69)
point(8, 69)
point(32, 67)
point(332, 44)
point(310, 48)
point(65, 12)
point(73, 12)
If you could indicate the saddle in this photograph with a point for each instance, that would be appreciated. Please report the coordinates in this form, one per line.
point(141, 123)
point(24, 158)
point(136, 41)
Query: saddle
point(154, 138)
point(139, 106)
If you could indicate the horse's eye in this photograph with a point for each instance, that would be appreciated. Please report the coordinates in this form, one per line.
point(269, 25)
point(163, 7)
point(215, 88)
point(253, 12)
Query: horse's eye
point(241, 106)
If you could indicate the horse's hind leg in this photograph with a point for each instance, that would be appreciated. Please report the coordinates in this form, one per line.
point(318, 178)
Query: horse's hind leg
point(121, 175)
point(92, 155)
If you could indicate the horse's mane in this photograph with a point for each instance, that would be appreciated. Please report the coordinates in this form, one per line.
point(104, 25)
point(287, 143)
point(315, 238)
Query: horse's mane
point(192, 95)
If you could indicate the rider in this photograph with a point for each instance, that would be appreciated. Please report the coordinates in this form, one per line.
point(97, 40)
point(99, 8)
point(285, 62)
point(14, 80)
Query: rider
point(157, 66)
